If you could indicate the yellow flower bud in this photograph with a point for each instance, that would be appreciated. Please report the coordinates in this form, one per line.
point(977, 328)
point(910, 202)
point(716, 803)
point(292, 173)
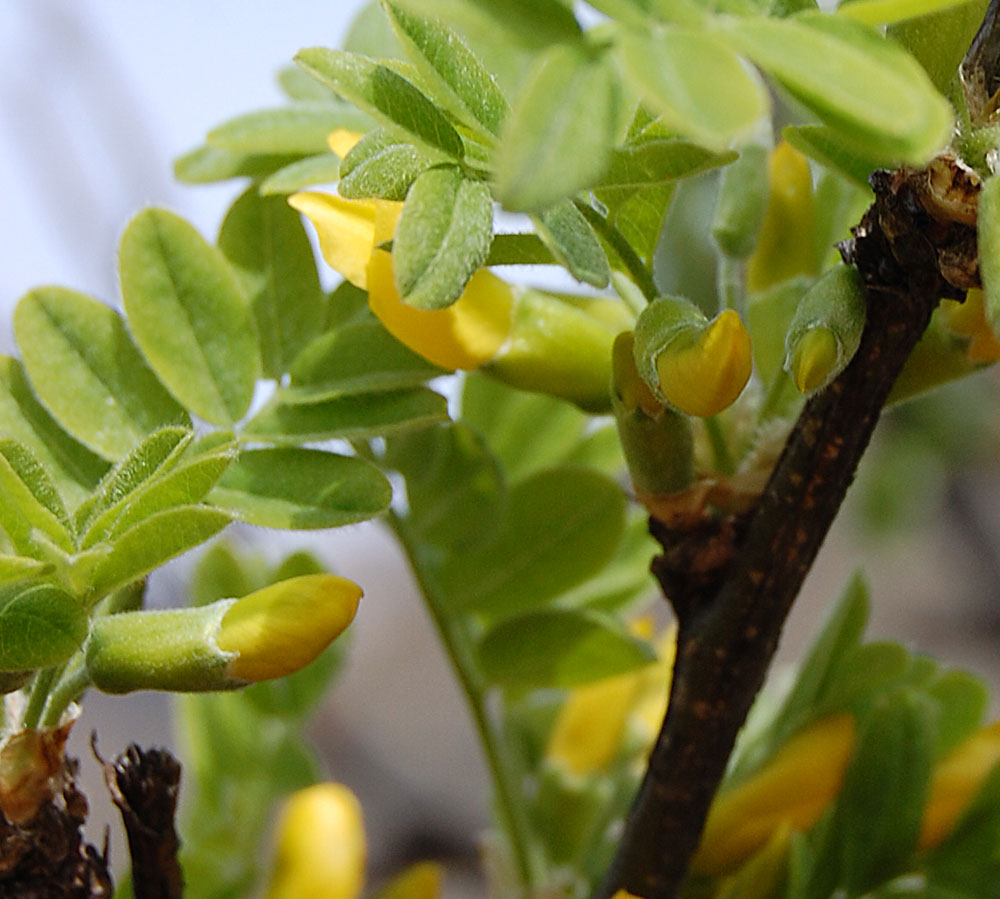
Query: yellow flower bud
point(968, 319)
point(793, 789)
point(786, 245)
point(815, 357)
point(279, 629)
point(702, 373)
point(321, 846)
point(625, 894)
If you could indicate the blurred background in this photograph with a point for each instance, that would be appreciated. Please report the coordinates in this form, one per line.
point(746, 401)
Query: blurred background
point(97, 97)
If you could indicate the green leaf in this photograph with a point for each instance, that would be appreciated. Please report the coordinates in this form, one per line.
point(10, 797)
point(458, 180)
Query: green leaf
point(301, 488)
point(301, 128)
point(203, 165)
point(690, 78)
point(459, 81)
point(159, 452)
point(827, 147)
point(41, 626)
point(189, 316)
point(442, 237)
point(266, 244)
point(354, 417)
point(557, 139)
point(74, 468)
point(989, 249)
point(877, 817)
point(153, 541)
point(454, 486)
point(573, 242)
point(963, 700)
point(384, 165)
point(18, 568)
point(869, 89)
point(360, 357)
point(87, 371)
point(389, 97)
point(323, 168)
point(652, 162)
point(559, 648)
point(527, 431)
point(562, 526)
point(29, 501)
point(528, 23)
point(184, 485)
point(519, 249)
point(886, 12)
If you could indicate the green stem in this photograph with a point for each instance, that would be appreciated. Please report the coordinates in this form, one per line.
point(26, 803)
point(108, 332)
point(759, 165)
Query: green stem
point(40, 690)
point(636, 267)
point(722, 459)
point(729, 278)
point(504, 772)
point(67, 689)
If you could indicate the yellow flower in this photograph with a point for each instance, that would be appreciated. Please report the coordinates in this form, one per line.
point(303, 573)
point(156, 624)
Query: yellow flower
point(968, 319)
point(591, 728)
point(793, 789)
point(805, 776)
point(815, 357)
point(704, 371)
point(321, 851)
point(531, 339)
point(279, 629)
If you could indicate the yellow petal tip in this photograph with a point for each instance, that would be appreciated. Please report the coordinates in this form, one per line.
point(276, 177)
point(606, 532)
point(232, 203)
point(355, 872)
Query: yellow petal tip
point(815, 359)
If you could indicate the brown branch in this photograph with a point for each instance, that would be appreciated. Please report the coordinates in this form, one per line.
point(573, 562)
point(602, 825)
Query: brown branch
point(732, 589)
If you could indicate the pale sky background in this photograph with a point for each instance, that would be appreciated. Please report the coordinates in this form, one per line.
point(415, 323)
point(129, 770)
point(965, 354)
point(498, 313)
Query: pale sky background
point(97, 97)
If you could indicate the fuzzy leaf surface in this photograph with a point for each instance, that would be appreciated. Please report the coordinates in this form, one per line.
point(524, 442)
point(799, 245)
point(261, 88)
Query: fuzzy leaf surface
point(189, 316)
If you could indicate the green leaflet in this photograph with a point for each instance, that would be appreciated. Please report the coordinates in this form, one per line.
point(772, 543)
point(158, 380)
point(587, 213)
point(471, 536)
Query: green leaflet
point(874, 94)
point(380, 91)
point(29, 501)
point(41, 626)
point(651, 162)
point(359, 357)
point(18, 568)
point(74, 468)
point(265, 242)
point(562, 526)
point(876, 819)
point(85, 368)
point(189, 316)
point(533, 24)
point(443, 236)
point(453, 73)
point(324, 168)
point(827, 147)
point(698, 86)
point(384, 165)
point(301, 129)
point(519, 249)
point(526, 431)
point(296, 488)
point(185, 484)
point(454, 486)
point(153, 541)
point(204, 165)
point(159, 452)
point(559, 648)
point(353, 417)
point(887, 12)
point(557, 139)
point(572, 241)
